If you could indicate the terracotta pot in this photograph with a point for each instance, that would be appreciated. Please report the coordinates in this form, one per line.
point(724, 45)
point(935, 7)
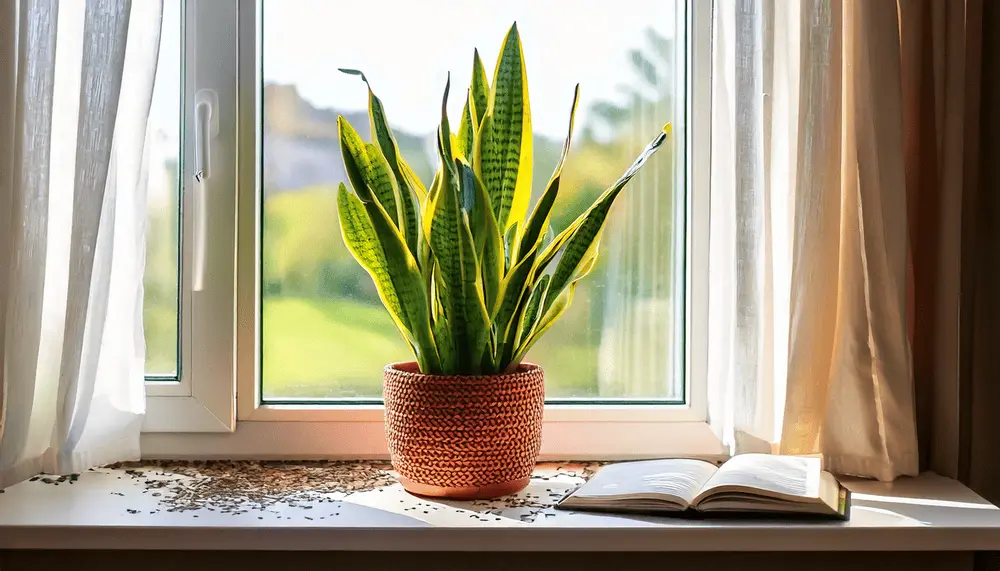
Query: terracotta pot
point(463, 437)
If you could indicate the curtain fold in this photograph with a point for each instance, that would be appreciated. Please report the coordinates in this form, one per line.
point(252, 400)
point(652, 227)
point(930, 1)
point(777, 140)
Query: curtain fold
point(741, 305)
point(8, 87)
point(815, 128)
point(72, 241)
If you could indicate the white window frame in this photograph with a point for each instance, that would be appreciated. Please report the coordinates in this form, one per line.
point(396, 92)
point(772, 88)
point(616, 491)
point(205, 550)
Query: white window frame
point(203, 399)
point(223, 380)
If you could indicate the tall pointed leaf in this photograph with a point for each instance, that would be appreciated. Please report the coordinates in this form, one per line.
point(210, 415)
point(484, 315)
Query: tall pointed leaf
point(465, 139)
point(538, 223)
point(362, 241)
point(480, 88)
point(476, 316)
point(414, 181)
point(411, 224)
point(454, 251)
point(504, 147)
point(486, 235)
point(382, 183)
point(378, 246)
point(442, 329)
point(582, 242)
point(428, 204)
point(532, 310)
point(514, 291)
point(426, 215)
point(409, 195)
point(509, 245)
point(555, 245)
point(368, 171)
point(548, 319)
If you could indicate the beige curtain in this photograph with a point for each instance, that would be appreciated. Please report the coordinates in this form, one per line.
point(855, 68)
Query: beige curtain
point(850, 391)
point(815, 174)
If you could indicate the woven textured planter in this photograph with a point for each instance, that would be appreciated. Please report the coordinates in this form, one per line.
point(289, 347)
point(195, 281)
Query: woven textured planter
point(463, 436)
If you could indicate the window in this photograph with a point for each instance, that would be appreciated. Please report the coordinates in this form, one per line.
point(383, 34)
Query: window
point(161, 284)
point(301, 340)
point(191, 225)
point(621, 338)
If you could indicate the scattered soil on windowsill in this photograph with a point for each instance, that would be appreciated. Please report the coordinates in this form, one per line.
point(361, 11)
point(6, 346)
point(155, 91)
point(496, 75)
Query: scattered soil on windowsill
point(237, 487)
point(241, 487)
point(534, 501)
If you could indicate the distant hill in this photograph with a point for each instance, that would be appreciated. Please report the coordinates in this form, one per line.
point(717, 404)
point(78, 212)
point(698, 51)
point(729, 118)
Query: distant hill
point(301, 148)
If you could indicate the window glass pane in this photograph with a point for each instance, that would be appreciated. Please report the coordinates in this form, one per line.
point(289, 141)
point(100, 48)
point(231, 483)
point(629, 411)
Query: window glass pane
point(324, 331)
point(160, 316)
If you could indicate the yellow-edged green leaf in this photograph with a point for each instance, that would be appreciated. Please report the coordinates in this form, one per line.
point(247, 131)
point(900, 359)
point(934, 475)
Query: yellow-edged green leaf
point(486, 235)
point(552, 248)
point(466, 178)
point(427, 206)
point(411, 177)
point(581, 243)
point(484, 139)
point(476, 316)
point(471, 299)
point(509, 245)
point(426, 215)
point(452, 245)
point(360, 237)
point(528, 337)
point(504, 147)
point(548, 319)
point(513, 293)
point(378, 246)
point(411, 223)
point(382, 183)
point(351, 149)
point(464, 141)
point(386, 141)
point(538, 223)
point(447, 248)
point(368, 171)
point(531, 311)
point(480, 88)
point(443, 339)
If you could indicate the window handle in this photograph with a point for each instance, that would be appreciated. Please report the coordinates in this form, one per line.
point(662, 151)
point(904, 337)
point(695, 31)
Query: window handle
point(206, 127)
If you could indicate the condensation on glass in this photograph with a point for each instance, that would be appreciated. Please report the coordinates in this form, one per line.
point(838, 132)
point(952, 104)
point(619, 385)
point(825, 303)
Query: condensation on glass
point(324, 332)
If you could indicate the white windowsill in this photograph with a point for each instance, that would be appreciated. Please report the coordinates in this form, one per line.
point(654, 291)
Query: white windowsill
point(929, 513)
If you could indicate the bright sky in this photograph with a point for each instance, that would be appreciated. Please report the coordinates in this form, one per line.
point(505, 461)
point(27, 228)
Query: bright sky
point(164, 111)
point(407, 47)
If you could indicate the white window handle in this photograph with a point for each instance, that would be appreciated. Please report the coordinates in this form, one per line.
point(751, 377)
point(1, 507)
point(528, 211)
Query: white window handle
point(206, 127)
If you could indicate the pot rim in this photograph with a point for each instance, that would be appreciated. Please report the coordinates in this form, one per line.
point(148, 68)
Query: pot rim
point(411, 368)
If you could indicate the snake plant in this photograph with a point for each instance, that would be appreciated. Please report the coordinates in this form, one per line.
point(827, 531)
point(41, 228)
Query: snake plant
point(469, 276)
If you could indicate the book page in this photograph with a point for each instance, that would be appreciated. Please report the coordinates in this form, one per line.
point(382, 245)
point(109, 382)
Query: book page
point(785, 477)
point(678, 480)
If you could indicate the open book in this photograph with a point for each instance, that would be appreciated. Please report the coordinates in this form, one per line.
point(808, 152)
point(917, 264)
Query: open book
point(747, 483)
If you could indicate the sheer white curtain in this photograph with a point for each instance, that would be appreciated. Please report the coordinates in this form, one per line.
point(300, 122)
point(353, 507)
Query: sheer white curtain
point(76, 81)
point(809, 347)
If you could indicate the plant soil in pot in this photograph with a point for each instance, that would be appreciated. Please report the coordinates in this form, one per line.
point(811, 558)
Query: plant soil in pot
point(464, 436)
point(470, 277)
